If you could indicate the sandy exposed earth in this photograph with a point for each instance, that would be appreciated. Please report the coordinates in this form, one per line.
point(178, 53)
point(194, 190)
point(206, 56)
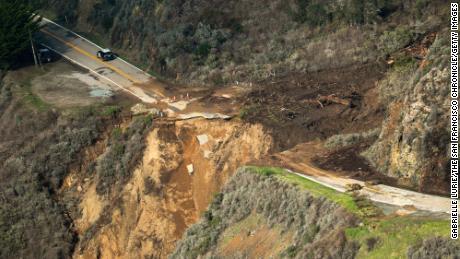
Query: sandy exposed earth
point(65, 85)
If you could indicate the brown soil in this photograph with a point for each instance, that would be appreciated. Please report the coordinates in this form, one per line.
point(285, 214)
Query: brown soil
point(280, 104)
point(162, 199)
point(347, 161)
point(253, 241)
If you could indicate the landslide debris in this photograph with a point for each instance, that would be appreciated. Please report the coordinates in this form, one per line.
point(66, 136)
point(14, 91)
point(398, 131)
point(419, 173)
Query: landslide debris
point(145, 214)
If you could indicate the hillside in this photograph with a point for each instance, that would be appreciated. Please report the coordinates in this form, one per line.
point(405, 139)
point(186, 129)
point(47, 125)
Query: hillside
point(374, 55)
point(264, 213)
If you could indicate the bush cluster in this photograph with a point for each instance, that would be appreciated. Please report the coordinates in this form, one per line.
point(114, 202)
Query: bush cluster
point(32, 223)
point(437, 247)
point(124, 151)
point(19, 21)
point(220, 42)
point(290, 209)
point(344, 140)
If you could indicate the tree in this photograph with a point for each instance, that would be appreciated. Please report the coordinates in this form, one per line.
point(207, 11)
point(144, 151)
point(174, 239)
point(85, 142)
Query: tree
point(18, 21)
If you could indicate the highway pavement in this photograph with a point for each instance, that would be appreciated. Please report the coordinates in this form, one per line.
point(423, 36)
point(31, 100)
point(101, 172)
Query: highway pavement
point(82, 52)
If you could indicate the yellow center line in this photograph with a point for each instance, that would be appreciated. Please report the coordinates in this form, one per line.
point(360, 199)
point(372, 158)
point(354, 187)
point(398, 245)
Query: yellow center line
point(91, 56)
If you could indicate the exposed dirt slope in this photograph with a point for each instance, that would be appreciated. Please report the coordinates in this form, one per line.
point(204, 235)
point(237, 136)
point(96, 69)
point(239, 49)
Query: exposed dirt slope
point(161, 199)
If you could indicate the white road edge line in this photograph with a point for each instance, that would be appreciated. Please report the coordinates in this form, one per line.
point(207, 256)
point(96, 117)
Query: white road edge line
point(96, 73)
point(342, 190)
point(339, 189)
point(94, 44)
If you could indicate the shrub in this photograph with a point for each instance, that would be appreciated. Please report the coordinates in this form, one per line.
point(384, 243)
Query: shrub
point(203, 49)
point(281, 205)
point(123, 154)
point(391, 41)
point(111, 111)
point(344, 140)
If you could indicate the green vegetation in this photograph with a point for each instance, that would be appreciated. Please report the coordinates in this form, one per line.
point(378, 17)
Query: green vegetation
point(313, 188)
point(344, 140)
point(191, 43)
point(391, 238)
point(353, 12)
point(123, 153)
point(380, 236)
point(248, 111)
point(391, 41)
point(261, 191)
point(18, 24)
point(28, 97)
point(111, 111)
point(32, 222)
point(35, 101)
point(203, 49)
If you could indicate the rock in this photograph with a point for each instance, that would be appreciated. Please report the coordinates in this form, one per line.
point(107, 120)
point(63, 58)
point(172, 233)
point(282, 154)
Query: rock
point(202, 139)
point(190, 169)
point(372, 182)
point(351, 187)
point(207, 154)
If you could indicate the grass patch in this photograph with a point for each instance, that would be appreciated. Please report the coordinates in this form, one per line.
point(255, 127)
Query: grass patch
point(111, 110)
point(379, 237)
point(35, 101)
point(395, 235)
point(29, 98)
point(313, 188)
point(248, 111)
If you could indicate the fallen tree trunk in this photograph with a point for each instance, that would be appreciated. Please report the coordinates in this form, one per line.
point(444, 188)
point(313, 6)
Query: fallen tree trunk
point(324, 100)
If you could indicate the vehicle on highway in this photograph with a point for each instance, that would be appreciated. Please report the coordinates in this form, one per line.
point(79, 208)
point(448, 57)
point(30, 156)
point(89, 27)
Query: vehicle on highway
point(45, 56)
point(106, 55)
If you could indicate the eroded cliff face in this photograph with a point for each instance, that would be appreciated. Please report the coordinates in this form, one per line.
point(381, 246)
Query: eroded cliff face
point(410, 147)
point(164, 196)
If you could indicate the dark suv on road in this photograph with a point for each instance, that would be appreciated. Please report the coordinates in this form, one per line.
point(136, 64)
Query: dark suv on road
point(106, 55)
point(45, 56)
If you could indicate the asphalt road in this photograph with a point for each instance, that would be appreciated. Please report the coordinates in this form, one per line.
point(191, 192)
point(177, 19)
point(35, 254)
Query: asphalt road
point(82, 52)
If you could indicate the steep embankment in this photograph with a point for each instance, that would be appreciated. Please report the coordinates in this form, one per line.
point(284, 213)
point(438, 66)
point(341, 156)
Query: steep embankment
point(257, 216)
point(38, 145)
point(411, 146)
point(261, 214)
point(151, 209)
